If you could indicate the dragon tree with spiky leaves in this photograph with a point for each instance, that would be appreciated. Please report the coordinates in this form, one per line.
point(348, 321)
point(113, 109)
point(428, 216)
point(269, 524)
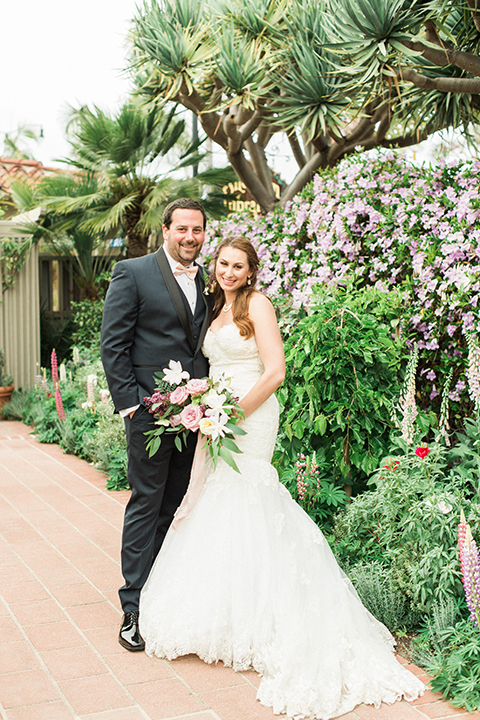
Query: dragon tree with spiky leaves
point(336, 76)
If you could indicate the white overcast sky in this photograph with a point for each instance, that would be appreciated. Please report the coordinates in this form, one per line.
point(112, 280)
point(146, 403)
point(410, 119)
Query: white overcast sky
point(57, 53)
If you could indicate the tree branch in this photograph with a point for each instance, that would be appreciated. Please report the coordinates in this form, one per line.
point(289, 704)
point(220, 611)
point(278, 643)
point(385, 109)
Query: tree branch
point(463, 60)
point(210, 121)
point(231, 131)
point(260, 166)
point(264, 133)
point(432, 36)
point(303, 176)
point(251, 125)
point(473, 4)
point(444, 84)
point(300, 158)
point(245, 173)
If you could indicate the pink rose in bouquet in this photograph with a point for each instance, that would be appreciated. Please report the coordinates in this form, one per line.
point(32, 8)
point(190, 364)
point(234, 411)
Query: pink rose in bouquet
point(191, 416)
point(196, 386)
point(175, 420)
point(179, 395)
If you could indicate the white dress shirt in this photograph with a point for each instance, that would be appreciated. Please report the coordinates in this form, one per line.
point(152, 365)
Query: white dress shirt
point(188, 286)
point(189, 289)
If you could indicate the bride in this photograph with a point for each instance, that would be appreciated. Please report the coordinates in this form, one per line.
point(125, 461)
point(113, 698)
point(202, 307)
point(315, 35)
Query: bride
point(247, 577)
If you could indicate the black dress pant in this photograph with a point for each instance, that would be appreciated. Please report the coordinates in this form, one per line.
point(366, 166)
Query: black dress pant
point(158, 485)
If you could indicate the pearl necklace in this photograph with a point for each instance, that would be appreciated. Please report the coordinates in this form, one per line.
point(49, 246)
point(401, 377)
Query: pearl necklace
point(226, 308)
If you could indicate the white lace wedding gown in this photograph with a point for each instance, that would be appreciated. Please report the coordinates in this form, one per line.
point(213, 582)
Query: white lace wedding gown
point(248, 579)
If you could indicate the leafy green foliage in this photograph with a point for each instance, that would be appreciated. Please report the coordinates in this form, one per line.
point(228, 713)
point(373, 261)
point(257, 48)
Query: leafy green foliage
point(87, 323)
point(408, 521)
point(449, 649)
point(5, 378)
point(16, 408)
point(91, 430)
point(342, 368)
point(310, 485)
point(382, 597)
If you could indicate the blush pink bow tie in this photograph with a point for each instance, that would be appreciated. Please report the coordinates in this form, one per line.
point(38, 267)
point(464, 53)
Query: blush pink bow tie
point(191, 272)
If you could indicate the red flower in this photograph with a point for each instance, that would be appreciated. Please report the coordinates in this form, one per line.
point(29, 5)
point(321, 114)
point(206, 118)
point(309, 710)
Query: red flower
point(422, 452)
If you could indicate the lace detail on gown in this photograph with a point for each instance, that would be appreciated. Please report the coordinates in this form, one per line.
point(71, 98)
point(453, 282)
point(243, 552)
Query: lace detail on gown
point(248, 579)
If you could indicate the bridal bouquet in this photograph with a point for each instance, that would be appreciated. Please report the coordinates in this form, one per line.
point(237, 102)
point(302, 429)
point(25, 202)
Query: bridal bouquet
point(180, 405)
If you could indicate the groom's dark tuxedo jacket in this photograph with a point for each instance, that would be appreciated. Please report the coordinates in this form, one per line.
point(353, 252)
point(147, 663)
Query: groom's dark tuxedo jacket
point(147, 322)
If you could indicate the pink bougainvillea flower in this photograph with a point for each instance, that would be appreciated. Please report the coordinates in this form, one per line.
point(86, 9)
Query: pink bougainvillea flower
point(422, 451)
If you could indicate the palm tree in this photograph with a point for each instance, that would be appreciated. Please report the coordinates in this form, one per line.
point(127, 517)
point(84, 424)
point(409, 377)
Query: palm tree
point(131, 186)
point(89, 253)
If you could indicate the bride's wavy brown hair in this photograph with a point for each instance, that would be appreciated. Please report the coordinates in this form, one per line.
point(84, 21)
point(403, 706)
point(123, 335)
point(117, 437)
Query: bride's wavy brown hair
point(240, 305)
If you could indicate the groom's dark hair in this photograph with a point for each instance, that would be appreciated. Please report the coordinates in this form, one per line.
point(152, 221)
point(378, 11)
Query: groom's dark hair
point(182, 204)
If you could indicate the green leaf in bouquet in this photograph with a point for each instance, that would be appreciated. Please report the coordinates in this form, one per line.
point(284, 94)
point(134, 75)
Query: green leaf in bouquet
point(235, 428)
point(178, 443)
point(213, 450)
point(227, 456)
point(153, 443)
point(230, 445)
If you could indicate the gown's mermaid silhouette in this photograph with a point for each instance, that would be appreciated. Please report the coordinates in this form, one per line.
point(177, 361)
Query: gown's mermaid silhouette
point(248, 579)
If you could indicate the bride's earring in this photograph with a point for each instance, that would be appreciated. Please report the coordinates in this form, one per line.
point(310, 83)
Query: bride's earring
point(249, 281)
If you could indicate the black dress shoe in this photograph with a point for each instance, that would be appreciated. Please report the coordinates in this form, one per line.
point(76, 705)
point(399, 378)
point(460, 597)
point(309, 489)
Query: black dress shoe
point(129, 636)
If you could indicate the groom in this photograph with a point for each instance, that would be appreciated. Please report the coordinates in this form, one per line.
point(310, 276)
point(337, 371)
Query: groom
point(155, 311)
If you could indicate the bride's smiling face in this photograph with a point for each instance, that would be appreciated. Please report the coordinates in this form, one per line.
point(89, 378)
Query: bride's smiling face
point(232, 269)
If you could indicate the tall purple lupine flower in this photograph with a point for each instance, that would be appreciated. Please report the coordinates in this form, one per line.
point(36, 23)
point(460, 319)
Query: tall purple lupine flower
point(59, 403)
point(54, 364)
point(56, 387)
point(470, 567)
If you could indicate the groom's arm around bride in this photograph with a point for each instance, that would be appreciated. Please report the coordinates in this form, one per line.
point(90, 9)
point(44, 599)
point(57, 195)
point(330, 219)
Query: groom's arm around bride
point(154, 312)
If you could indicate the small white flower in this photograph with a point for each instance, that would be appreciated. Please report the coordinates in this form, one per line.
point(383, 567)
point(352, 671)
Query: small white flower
point(87, 404)
point(163, 421)
point(174, 374)
point(444, 507)
point(104, 395)
point(215, 401)
point(220, 416)
point(223, 384)
point(212, 426)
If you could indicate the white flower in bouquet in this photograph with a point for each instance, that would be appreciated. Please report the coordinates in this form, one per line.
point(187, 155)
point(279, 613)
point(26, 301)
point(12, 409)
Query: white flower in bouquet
point(213, 426)
point(215, 401)
point(223, 384)
point(174, 374)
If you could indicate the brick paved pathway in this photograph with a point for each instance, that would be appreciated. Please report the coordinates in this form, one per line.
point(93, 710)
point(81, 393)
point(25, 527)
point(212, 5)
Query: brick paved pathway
point(59, 612)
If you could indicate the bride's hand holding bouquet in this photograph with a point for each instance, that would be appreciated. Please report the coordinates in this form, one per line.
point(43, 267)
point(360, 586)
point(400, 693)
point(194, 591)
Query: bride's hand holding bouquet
point(181, 405)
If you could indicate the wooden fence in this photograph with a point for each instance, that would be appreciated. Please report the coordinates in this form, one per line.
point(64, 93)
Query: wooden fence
point(20, 313)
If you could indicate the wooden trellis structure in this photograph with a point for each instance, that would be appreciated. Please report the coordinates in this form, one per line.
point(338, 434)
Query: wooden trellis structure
point(20, 311)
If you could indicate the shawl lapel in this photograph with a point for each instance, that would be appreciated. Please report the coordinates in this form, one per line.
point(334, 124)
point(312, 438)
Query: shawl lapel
point(175, 294)
point(208, 308)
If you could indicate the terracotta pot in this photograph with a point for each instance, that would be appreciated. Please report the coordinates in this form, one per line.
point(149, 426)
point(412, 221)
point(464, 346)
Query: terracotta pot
point(6, 394)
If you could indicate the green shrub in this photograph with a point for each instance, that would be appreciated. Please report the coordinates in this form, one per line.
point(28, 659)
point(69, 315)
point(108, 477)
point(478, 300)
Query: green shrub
point(17, 407)
point(343, 365)
point(408, 521)
point(87, 323)
point(382, 597)
point(449, 649)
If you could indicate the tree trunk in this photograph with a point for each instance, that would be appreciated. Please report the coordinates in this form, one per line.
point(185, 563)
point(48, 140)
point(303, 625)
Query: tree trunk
point(137, 240)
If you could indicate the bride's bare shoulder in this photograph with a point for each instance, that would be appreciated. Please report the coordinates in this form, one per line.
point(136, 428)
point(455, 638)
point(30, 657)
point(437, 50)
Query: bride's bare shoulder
point(260, 306)
point(258, 301)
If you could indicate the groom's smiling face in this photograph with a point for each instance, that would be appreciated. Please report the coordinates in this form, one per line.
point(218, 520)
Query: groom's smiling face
point(184, 238)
